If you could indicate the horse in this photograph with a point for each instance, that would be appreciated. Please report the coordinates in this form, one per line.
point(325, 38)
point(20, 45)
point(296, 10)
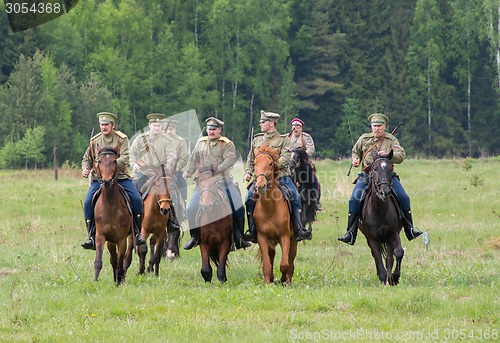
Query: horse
point(113, 218)
point(157, 207)
point(381, 222)
point(215, 227)
point(272, 217)
point(303, 176)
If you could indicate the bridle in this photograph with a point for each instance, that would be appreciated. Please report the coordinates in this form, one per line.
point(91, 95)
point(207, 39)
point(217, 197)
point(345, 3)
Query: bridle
point(159, 199)
point(377, 181)
point(216, 194)
point(273, 168)
point(109, 182)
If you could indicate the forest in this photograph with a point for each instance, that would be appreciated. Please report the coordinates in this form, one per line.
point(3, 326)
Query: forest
point(432, 65)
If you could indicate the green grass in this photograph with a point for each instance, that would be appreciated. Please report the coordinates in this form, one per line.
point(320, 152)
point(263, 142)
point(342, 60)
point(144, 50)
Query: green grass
point(47, 292)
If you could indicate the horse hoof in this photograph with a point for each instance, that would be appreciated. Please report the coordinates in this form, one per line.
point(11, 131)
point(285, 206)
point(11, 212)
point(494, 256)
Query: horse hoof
point(171, 255)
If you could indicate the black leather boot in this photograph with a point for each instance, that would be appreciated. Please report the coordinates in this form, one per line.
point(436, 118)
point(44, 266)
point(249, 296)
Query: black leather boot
point(89, 243)
point(411, 231)
point(300, 231)
point(352, 229)
point(195, 239)
point(139, 239)
point(238, 229)
point(251, 234)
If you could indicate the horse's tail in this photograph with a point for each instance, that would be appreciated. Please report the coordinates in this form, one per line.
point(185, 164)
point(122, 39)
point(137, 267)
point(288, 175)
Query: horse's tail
point(214, 256)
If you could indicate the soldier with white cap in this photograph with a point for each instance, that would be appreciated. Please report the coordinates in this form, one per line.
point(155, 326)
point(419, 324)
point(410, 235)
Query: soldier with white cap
point(382, 143)
point(271, 137)
point(110, 138)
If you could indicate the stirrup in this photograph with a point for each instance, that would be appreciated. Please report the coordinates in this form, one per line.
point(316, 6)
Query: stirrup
point(89, 244)
point(139, 239)
point(348, 238)
point(413, 233)
point(193, 241)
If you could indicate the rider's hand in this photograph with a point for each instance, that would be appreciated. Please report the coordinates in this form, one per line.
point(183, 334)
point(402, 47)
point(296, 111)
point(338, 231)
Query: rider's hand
point(247, 177)
point(382, 153)
point(85, 172)
point(355, 161)
point(185, 175)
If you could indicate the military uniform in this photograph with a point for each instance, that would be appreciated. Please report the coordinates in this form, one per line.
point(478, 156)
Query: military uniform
point(115, 139)
point(282, 144)
point(220, 155)
point(304, 141)
point(363, 149)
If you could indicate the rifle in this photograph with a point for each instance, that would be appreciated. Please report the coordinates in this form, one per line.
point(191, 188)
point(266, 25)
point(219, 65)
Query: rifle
point(251, 144)
point(91, 155)
point(360, 162)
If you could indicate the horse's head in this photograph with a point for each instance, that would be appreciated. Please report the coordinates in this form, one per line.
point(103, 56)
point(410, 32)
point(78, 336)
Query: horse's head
point(381, 174)
point(299, 157)
point(106, 166)
point(207, 183)
point(266, 166)
point(163, 193)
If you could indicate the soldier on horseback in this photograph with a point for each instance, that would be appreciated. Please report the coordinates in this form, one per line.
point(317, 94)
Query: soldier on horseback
point(270, 136)
point(218, 152)
point(110, 138)
point(151, 151)
point(303, 140)
point(382, 143)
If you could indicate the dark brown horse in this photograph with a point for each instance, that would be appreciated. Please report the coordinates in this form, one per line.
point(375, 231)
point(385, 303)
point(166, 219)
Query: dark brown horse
point(112, 218)
point(215, 218)
point(303, 176)
point(272, 217)
point(381, 223)
point(157, 208)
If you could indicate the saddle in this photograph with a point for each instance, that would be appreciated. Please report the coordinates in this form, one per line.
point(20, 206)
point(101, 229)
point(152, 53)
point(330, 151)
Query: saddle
point(123, 193)
point(287, 194)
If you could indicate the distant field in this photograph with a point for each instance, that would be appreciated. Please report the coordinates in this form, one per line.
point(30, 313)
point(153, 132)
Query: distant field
point(449, 292)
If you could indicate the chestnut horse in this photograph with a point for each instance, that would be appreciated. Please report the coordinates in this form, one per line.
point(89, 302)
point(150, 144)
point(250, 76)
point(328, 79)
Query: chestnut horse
point(215, 218)
point(157, 207)
point(113, 218)
point(272, 217)
point(381, 222)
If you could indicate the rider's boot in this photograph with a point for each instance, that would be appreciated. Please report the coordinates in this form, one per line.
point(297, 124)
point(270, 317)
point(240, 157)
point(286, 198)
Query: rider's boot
point(411, 231)
point(301, 232)
point(89, 243)
point(317, 204)
point(139, 238)
point(194, 240)
point(352, 229)
point(251, 234)
point(238, 234)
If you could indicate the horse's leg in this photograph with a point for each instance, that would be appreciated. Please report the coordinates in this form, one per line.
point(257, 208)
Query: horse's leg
point(128, 256)
point(267, 258)
point(142, 251)
point(291, 259)
point(98, 259)
point(389, 262)
point(152, 254)
point(206, 268)
point(399, 253)
point(159, 249)
point(120, 271)
point(221, 268)
point(113, 257)
point(377, 256)
point(173, 244)
point(285, 254)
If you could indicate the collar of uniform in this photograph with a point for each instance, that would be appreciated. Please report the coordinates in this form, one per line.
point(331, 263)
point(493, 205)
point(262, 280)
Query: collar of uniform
point(270, 135)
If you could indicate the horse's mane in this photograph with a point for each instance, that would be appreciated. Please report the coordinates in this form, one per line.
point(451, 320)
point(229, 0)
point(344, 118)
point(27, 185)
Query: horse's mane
point(267, 149)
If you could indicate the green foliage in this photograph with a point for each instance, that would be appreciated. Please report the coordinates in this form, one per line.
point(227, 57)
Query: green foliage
point(27, 152)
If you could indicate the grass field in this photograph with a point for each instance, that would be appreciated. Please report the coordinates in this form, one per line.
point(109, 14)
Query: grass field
point(448, 292)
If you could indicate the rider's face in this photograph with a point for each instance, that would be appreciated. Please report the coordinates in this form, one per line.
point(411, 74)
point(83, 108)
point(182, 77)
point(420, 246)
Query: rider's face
point(106, 129)
point(378, 130)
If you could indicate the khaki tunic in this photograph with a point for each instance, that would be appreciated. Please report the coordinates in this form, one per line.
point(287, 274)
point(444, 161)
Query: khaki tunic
point(304, 141)
point(219, 153)
point(153, 152)
point(385, 143)
point(181, 152)
point(100, 141)
point(275, 141)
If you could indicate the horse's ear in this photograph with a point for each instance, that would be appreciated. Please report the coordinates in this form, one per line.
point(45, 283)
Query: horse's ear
point(391, 153)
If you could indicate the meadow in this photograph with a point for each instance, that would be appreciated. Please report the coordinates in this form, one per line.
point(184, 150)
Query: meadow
point(449, 290)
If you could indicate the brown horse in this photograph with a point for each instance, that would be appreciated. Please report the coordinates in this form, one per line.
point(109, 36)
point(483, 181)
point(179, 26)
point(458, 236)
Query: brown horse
point(157, 207)
point(215, 218)
point(272, 217)
point(381, 222)
point(113, 219)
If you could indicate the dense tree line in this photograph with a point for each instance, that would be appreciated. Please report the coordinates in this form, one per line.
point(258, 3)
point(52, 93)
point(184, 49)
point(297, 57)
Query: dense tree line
point(433, 65)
